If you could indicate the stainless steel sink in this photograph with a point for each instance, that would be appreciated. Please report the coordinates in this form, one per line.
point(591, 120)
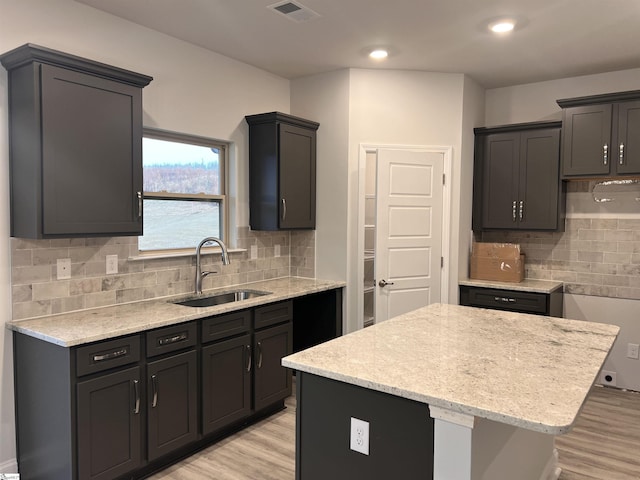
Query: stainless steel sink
point(221, 298)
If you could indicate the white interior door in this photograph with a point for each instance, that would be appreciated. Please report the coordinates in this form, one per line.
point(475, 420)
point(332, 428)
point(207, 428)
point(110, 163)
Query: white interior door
point(409, 204)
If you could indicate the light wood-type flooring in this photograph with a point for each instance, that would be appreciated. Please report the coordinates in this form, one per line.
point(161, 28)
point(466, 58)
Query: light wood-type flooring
point(603, 445)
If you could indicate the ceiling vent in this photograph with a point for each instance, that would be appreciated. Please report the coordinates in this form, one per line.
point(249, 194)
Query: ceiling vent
point(294, 11)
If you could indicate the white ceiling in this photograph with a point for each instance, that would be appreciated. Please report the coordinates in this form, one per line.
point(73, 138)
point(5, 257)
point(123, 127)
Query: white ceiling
point(560, 38)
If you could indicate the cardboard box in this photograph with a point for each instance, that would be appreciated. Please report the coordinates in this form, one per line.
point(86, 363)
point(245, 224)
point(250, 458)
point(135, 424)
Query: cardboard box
point(501, 262)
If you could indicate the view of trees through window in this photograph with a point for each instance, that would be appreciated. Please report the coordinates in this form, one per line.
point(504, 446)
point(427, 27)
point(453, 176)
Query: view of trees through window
point(183, 186)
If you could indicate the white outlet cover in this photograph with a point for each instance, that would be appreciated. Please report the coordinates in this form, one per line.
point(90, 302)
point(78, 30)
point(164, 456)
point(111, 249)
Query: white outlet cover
point(359, 440)
point(112, 264)
point(63, 267)
point(633, 351)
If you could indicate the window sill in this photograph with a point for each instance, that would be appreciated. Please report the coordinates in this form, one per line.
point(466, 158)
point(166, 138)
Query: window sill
point(158, 256)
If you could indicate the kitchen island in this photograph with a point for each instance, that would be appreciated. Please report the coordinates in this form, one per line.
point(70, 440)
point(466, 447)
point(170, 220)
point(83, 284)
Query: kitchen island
point(490, 389)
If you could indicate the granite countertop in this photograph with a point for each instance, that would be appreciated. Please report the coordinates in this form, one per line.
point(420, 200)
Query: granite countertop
point(529, 371)
point(527, 285)
point(85, 326)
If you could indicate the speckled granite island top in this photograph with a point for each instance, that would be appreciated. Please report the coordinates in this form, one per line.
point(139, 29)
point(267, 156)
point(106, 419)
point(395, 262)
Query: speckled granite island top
point(86, 326)
point(528, 371)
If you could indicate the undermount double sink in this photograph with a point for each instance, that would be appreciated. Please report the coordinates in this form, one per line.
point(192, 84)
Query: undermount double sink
point(221, 298)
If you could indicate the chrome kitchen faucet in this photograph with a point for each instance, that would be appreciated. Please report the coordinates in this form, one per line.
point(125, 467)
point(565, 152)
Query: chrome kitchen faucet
point(199, 273)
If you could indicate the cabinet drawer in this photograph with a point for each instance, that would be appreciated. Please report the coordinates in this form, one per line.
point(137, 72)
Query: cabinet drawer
point(105, 355)
point(273, 314)
point(224, 326)
point(514, 301)
point(170, 339)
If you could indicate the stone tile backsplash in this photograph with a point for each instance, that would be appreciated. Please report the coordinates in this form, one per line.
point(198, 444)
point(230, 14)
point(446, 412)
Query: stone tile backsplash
point(36, 290)
point(593, 256)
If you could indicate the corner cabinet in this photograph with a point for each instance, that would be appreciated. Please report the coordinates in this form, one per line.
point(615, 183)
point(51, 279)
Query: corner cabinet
point(75, 145)
point(517, 182)
point(282, 172)
point(601, 135)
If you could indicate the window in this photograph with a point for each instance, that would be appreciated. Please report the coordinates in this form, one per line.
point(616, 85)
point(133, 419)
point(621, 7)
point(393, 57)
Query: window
point(184, 187)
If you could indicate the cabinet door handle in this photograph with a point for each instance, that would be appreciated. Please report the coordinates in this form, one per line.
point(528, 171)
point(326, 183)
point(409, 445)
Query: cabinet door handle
point(621, 153)
point(605, 154)
point(136, 394)
point(248, 358)
point(513, 210)
point(154, 388)
point(521, 210)
point(139, 204)
point(259, 355)
point(284, 208)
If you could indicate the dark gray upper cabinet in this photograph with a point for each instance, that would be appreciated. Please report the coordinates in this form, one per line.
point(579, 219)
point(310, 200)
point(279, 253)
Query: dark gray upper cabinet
point(282, 172)
point(601, 135)
point(516, 178)
point(75, 145)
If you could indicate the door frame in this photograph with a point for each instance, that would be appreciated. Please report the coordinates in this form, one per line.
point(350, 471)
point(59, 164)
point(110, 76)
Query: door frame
point(447, 153)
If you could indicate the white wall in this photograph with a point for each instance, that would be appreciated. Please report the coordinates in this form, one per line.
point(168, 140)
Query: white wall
point(618, 311)
point(325, 99)
point(194, 91)
point(537, 102)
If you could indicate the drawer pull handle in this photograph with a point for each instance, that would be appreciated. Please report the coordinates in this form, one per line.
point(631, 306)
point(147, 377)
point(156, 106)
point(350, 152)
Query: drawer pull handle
point(505, 299)
point(284, 208)
point(136, 393)
point(259, 354)
point(514, 207)
point(605, 154)
point(248, 358)
point(180, 337)
point(521, 210)
point(110, 355)
point(154, 388)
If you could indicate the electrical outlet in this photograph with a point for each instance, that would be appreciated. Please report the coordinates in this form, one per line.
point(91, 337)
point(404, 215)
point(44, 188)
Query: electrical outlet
point(633, 351)
point(359, 436)
point(63, 266)
point(276, 251)
point(112, 264)
point(254, 252)
point(608, 378)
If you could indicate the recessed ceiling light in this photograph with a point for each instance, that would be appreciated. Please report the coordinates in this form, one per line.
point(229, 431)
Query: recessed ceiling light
point(504, 25)
point(379, 54)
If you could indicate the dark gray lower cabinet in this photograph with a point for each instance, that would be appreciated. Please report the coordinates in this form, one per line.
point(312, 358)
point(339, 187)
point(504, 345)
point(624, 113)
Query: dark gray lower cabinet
point(109, 425)
point(226, 383)
point(272, 382)
point(172, 399)
point(123, 408)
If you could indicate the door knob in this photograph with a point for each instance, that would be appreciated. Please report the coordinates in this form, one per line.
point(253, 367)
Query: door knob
point(384, 283)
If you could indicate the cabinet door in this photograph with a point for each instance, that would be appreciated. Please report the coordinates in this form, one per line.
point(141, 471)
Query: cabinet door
point(272, 382)
point(109, 425)
point(500, 180)
point(627, 151)
point(539, 179)
point(586, 141)
point(226, 383)
point(172, 397)
point(297, 177)
point(91, 154)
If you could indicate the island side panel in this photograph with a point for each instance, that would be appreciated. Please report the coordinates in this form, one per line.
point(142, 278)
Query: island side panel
point(400, 433)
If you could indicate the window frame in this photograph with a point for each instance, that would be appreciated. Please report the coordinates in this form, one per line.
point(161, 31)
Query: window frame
point(224, 147)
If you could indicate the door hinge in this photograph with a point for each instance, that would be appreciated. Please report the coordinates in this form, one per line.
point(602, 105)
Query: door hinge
point(441, 262)
point(443, 179)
